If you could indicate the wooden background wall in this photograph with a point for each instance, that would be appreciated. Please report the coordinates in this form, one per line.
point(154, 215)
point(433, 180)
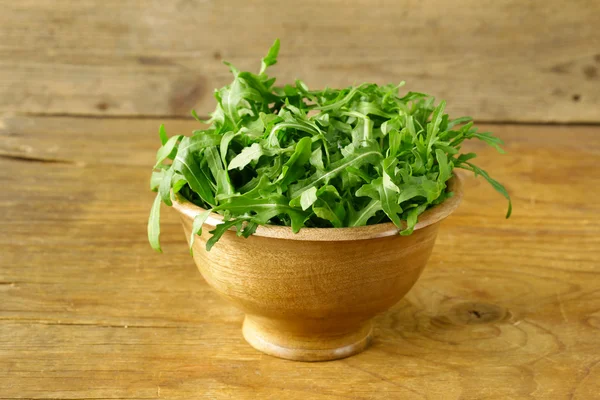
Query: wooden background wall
point(515, 60)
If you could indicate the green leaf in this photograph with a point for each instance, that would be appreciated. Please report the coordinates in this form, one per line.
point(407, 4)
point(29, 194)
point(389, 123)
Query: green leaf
point(370, 189)
point(411, 219)
point(156, 179)
point(258, 86)
point(213, 160)
point(316, 159)
point(386, 192)
point(294, 167)
point(464, 158)
point(306, 200)
point(199, 142)
point(372, 108)
point(274, 142)
point(495, 184)
point(360, 217)
point(248, 154)
point(162, 133)
point(329, 206)
point(197, 225)
point(445, 147)
point(395, 141)
point(177, 182)
point(224, 186)
point(196, 117)
point(419, 187)
point(154, 225)
point(458, 121)
point(360, 156)
point(249, 229)
point(186, 164)
point(362, 131)
point(445, 168)
point(341, 102)
point(225, 146)
point(165, 187)
point(434, 126)
point(491, 140)
point(388, 195)
point(330, 157)
point(360, 173)
point(263, 209)
point(220, 230)
point(167, 150)
point(230, 99)
point(271, 57)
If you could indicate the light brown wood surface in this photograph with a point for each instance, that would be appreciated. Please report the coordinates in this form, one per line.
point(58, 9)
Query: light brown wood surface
point(505, 309)
point(509, 60)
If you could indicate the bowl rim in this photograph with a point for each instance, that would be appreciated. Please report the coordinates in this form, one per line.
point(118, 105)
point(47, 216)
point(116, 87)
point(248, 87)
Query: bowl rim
point(431, 216)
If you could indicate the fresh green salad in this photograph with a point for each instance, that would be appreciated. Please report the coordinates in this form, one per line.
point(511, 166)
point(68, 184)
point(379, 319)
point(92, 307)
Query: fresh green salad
point(313, 158)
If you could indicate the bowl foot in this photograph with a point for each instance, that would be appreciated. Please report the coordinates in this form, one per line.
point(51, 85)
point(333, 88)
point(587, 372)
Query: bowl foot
point(272, 337)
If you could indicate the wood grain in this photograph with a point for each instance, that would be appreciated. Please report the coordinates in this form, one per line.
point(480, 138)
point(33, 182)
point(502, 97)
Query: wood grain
point(497, 61)
point(88, 310)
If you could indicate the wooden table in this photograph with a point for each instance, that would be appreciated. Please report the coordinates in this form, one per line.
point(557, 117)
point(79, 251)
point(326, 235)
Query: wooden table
point(506, 309)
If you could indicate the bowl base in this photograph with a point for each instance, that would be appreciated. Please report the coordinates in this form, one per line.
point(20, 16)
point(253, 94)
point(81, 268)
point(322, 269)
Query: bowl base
point(273, 339)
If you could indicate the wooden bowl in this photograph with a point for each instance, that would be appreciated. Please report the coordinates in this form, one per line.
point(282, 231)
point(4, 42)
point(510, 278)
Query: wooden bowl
point(311, 296)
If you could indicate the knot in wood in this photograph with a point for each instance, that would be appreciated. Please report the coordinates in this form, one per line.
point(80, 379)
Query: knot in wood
point(471, 313)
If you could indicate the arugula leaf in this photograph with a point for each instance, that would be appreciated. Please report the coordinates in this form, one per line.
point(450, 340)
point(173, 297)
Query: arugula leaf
point(154, 225)
point(329, 206)
point(156, 179)
point(271, 57)
point(199, 221)
point(196, 117)
point(248, 154)
point(224, 146)
point(445, 169)
point(213, 160)
point(495, 184)
point(411, 219)
point(224, 187)
point(230, 99)
point(388, 195)
point(264, 209)
point(221, 228)
point(308, 198)
point(419, 187)
point(258, 187)
point(294, 167)
point(491, 140)
point(358, 157)
point(165, 187)
point(167, 150)
point(316, 159)
point(292, 156)
point(178, 182)
point(185, 163)
point(163, 134)
point(458, 121)
point(361, 217)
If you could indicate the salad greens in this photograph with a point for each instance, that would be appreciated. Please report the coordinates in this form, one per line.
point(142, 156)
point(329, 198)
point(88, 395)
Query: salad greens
point(313, 158)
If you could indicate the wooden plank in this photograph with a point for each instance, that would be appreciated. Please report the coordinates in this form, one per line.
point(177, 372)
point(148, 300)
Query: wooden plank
point(497, 61)
point(88, 310)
